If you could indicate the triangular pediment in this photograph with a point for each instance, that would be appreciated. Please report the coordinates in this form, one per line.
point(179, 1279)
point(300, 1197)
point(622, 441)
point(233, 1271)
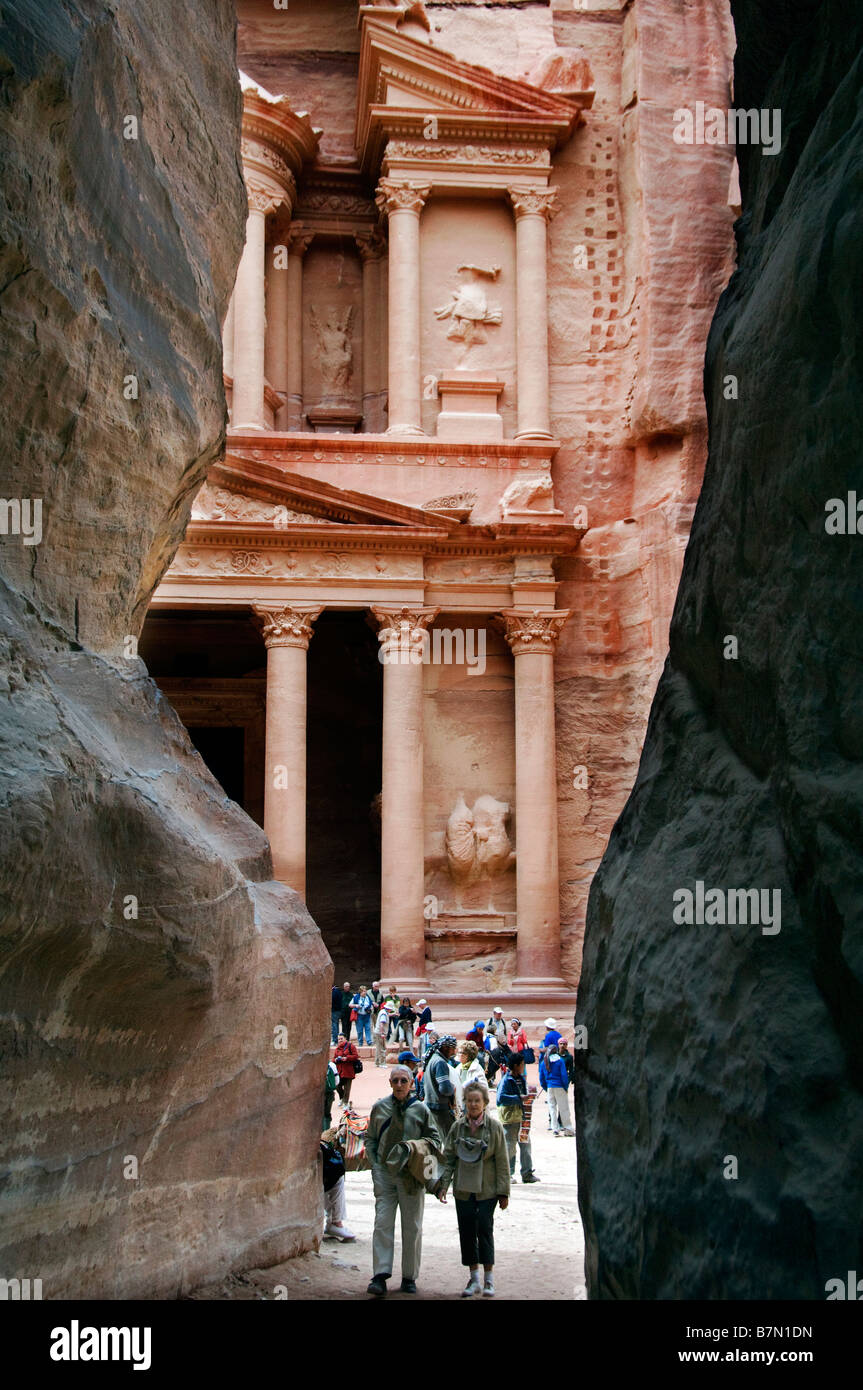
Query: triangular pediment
point(242, 492)
point(401, 78)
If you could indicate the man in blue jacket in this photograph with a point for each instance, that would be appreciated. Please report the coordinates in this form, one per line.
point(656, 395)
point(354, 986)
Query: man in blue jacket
point(554, 1080)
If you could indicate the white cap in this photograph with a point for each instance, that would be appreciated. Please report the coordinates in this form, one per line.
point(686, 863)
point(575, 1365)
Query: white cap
point(497, 1009)
point(422, 1001)
point(551, 1023)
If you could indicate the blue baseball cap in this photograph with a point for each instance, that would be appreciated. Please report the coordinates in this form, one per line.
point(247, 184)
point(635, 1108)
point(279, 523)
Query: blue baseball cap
point(407, 1057)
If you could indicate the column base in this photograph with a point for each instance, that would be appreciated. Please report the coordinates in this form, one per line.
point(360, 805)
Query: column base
point(408, 432)
point(536, 436)
point(411, 986)
point(247, 427)
point(539, 984)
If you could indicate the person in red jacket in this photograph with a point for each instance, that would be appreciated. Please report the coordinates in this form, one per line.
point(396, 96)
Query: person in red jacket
point(346, 1058)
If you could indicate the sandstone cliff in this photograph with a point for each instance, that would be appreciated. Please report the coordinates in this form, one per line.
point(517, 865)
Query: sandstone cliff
point(707, 1042)
point(152, 1134)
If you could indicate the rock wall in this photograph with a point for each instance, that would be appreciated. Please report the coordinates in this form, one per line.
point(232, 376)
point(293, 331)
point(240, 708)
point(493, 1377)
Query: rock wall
point(152, 1133)
point(720, 1109)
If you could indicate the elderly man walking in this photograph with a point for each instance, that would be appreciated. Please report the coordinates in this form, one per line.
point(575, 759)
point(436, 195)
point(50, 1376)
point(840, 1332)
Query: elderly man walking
point(395, 1118)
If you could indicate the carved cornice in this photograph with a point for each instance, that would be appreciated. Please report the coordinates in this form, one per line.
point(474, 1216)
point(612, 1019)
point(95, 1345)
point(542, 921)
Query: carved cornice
point(403, 631)
point(399, 196)
point(535, 631)
point(530, 202)
point(287, 627)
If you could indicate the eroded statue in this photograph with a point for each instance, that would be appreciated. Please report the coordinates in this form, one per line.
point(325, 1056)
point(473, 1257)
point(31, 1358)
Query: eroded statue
point(336, 353)
point(469, 308)
point(477, 843)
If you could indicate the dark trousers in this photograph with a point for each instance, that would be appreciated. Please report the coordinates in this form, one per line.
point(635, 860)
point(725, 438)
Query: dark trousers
point(476, 1230)
point(346, 1023)
point(444, 1119)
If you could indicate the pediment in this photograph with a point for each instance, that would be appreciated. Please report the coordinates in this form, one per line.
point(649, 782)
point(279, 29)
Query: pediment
point(404, 82)
point(242, 492)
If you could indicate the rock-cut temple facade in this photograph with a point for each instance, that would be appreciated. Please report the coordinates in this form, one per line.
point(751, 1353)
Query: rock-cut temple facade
point(419, 612)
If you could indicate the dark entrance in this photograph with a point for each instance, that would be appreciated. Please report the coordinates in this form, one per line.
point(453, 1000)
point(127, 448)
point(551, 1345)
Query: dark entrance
point(223, 751)
point(343, 859)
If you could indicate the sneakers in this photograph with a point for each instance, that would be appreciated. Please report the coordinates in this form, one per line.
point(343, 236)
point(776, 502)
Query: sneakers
point(339, 1233)
point(471, 1287)
point(378, 1285)
point(488, 1287)
point(570, 1133)
point(531, 1177)
point(408, 1286)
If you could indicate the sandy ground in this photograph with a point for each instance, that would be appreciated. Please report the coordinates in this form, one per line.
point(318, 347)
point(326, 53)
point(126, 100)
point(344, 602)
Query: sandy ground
point(538, 1239)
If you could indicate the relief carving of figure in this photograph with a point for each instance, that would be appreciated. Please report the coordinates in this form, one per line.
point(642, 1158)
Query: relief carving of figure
point(469, 308)
point(336, 355)
point(477, 844)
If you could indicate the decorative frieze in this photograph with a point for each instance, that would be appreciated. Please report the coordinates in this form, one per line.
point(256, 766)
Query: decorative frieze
point(430, 150)
point(221, 562)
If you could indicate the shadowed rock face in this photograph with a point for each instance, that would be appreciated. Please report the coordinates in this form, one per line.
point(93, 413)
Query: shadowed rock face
point(709, 1041)
point(146, 957)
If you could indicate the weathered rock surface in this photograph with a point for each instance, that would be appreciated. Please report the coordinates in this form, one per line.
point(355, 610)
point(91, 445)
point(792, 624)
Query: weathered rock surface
point(712, 1041)
point(146, 958)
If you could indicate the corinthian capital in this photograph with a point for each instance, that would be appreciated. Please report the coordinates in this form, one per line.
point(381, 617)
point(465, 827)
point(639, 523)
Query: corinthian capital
point(286, 627)
point(299, 240)
point(536, 631)
point(371, 245)
point(392, 196)
point(530, 201)
point(262, 199)
point(403, 633)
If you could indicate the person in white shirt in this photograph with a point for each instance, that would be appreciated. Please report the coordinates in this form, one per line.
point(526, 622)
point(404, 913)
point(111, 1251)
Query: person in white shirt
point(381, 1032)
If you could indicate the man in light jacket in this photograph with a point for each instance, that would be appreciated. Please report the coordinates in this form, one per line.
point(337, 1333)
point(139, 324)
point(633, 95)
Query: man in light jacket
point(397, 1117)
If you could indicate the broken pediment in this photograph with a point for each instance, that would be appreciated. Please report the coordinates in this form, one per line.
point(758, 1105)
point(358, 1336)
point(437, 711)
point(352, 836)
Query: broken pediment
point(408, 87)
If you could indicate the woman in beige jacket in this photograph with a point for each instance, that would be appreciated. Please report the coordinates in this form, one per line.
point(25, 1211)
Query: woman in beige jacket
point(476, 1163)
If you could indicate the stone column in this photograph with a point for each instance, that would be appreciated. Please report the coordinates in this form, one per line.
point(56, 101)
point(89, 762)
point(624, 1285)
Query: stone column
point(403, 203)
point(533, 210)
point(371, 247)
point(287, 632)
point(298, 244)
point(278, 322)
point(228, 341)
point(403, 637)
point(533, 639)
point(250, 319)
